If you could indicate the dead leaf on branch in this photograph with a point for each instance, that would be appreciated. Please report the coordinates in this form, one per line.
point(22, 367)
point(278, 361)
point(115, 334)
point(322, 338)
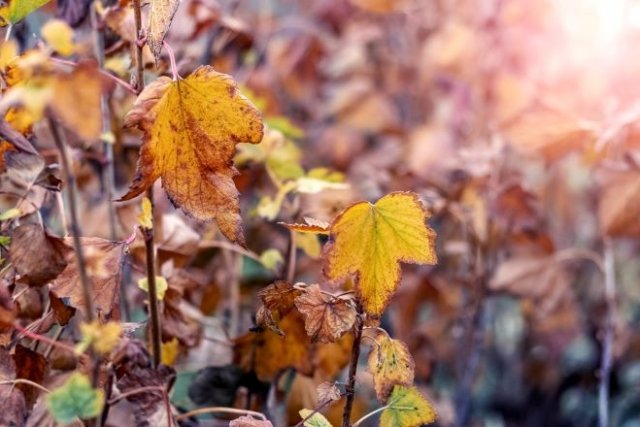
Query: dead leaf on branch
point(326, 317)
point(37, 256)
point(160, 17)
point(277, 301)
point(104, 263)
point(370, 241)
point(191, 128)
point(249, 421)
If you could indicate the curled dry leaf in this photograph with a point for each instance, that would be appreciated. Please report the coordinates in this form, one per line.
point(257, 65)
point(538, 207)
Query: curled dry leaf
point(249, 421)
point(277, 301)
point(328, 391)
point(326, 317)
point(191, 128)
point(370, 241)
point(104, 263)
point(391, 364)
point(314, 226)
point(160, 17)
point(37, 256)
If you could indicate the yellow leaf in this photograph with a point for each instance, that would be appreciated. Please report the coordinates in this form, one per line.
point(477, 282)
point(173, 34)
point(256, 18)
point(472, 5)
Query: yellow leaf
point(271, 259)
point(391, 364)
point(160, 17)
point(309, 244)
point(371, 240)
point(145, 218)
point(407, 408)
point(59, 36)
point(102, 336)
point(169, 351)
point(161, 286)
point(18, 9)
point(315, 420)
point(191, 127)
point(8, 52)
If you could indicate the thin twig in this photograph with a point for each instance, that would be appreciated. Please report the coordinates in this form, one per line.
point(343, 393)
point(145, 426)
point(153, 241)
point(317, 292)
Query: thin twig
point(154, 315)
point(220, 409)
point(609, 330)
point(105, 73)
point(43, 338)
point(87, 290)
point(230, 246)
point(370, 414)
point(315, 411)
point(137, 11)
point(291, 265)
point(27, 382)
point(353, 368)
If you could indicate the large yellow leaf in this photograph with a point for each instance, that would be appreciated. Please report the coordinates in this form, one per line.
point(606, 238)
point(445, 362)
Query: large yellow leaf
point(18, 9)
point(191, 128)
point(371, 240)
point(407, 408)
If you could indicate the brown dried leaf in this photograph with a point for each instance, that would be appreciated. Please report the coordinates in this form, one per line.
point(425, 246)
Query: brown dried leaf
point(62, 312)
point(326, 317)
point(175, 323)
point(619, 204)
point(249, 421)
point(391, 364)
point(278, 300)
point(328, 391)
point(13, 407)
point(160, 17)
point(32, 366)
point(37, 256)
point(104, 262)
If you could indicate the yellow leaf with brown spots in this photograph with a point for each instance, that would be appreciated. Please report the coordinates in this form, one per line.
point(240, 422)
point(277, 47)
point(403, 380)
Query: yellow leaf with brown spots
point(407, 407)
point(391, 364)
point(191, 128)
point(370, 240)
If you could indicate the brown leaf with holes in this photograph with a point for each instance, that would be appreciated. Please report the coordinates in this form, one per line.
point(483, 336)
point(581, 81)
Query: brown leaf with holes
point(104, 260)
point(391, 364)
point(37, 256)
point(326, 317)
point(191, 127)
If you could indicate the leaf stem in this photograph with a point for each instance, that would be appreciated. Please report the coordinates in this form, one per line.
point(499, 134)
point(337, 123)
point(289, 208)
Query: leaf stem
point(220, 409)
point(370, 414)
point(172, 59)
point(87, 290)
point(353, 368)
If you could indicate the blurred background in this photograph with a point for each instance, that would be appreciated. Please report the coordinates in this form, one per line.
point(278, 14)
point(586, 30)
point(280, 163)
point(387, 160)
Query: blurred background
point(516, 121)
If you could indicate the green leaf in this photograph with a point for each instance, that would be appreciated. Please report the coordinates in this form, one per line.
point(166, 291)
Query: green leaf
point(10, 213)
point(18, 9)
point(317, 420)
point(5, 240)
point(75, 398)
point(271, 258)
point(406, 407)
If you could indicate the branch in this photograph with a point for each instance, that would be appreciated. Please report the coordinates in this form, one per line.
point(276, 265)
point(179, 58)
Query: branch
point(607, 345)
point(353, 368)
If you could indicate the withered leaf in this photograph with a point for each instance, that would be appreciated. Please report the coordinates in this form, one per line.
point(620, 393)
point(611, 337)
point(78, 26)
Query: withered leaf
point(62, 312)
point(328, 391)
point(191, 128)
point(277, 300)
point(13, 406)
point(391, 364)
point(32, 366)
point(37, 256)
point(104, 262)
point(175, 323)
point(249, 421)
point(326, 317)
point(160, 17)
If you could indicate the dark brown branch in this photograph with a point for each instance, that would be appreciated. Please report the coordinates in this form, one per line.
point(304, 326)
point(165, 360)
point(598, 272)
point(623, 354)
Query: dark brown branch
point(353, 369)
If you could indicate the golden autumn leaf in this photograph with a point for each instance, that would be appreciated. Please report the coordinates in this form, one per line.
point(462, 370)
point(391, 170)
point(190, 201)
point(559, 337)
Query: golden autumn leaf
point(370, 240)
point(160, 17)
point(407, 408)
point(18, 10)
point(326, 317)
point(191, 128)
point(102, 336)
point(59, 35)
point(391, 364)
